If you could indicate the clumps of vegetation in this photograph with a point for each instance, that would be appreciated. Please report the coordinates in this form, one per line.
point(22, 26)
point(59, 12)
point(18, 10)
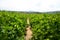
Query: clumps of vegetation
point(44, 26)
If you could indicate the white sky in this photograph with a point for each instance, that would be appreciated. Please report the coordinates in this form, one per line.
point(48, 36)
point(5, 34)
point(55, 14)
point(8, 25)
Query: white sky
point(30, 5)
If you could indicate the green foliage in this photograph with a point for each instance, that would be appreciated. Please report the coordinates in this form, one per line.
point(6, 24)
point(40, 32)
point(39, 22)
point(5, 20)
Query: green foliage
point(11, 27)
point(44, 26)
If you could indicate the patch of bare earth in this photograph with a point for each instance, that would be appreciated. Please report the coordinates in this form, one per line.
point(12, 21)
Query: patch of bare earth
point(28, 33)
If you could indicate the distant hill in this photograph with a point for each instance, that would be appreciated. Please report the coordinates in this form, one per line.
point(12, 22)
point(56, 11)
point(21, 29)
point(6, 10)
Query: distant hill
point(51, 12)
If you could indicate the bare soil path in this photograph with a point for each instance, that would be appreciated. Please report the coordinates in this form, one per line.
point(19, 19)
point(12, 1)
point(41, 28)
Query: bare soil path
point(28, 31)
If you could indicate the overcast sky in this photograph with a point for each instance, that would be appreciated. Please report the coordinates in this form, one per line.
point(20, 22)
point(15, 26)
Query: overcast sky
point(30, 5)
